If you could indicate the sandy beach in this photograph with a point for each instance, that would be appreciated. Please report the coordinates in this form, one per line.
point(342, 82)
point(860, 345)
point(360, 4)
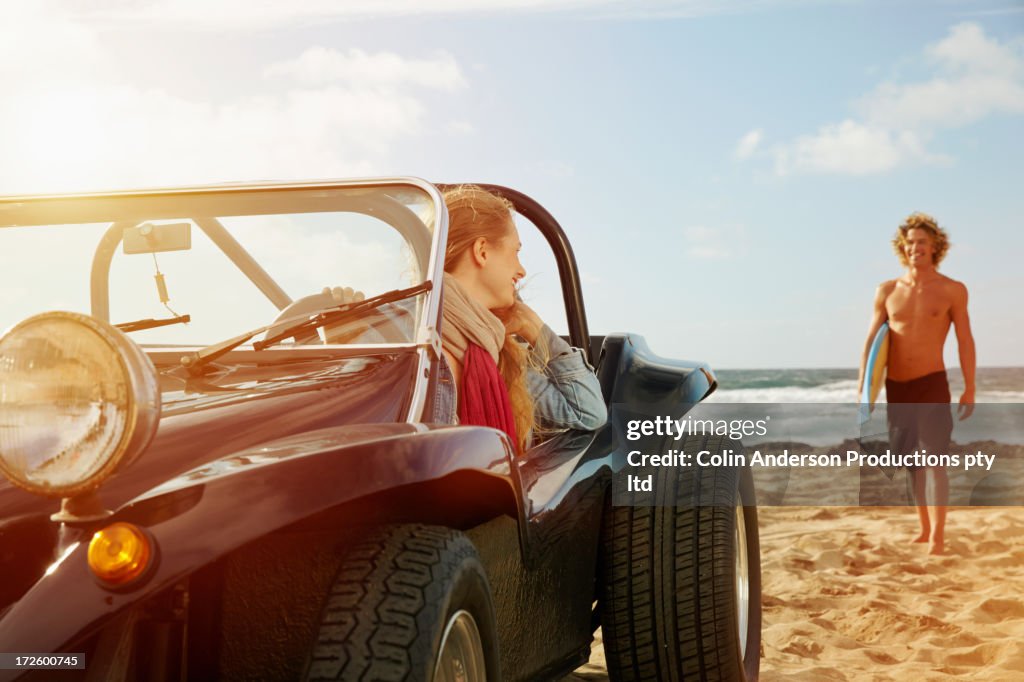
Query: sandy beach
point(847, 596)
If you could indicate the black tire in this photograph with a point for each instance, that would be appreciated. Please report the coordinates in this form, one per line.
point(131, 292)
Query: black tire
point(394, 599)
point(668, 592)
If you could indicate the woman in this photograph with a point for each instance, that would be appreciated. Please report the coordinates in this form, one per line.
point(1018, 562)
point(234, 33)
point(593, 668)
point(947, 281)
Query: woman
point(501, 382)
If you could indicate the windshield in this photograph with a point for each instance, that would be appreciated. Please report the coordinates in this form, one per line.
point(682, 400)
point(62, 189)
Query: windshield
point(229, 260)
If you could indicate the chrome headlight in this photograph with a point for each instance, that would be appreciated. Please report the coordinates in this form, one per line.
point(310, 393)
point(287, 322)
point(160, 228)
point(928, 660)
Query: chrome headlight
point(78, 399)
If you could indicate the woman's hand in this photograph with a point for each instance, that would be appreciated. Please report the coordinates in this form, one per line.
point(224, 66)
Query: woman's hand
point(344, 294)
point(520, 319)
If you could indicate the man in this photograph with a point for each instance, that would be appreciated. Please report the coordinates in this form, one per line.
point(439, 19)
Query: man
point(920, 306)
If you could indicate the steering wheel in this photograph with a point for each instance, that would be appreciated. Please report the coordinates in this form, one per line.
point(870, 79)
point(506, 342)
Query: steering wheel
point(380, 325)
point(307, 305)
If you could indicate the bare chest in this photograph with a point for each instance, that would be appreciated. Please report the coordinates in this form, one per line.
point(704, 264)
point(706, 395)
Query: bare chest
point(927, 303)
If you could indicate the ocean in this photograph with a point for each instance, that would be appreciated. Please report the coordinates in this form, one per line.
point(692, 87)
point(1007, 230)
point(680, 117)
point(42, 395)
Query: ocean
point(994, 385)
point(821, 406)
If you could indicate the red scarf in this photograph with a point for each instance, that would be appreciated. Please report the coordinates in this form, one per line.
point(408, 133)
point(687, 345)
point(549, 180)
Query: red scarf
point(484, 396)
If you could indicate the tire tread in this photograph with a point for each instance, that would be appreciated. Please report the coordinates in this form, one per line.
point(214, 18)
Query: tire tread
point(377, 618)
point(681, 546)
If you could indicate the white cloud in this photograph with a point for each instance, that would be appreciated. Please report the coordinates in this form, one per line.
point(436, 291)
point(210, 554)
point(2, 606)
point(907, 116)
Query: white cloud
point(73, 121)
point(460, 128)
point(978, 77)
point(943, 102)
point(710, 243)
point(747, 145)
point(968, 48)
point(320, 65)
point(73, 138)
point(996, 12)
point(975, 77)
point(246, 14)
point(34, 33)
point(853, 148)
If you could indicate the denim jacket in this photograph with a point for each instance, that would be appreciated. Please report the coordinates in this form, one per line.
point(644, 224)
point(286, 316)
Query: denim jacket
point(566, 393)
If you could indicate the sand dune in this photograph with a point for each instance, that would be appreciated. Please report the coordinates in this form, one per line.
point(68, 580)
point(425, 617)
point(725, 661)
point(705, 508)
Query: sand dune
point(848, 597)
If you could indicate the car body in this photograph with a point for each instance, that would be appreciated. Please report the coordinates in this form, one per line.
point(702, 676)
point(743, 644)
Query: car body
point(248, 473)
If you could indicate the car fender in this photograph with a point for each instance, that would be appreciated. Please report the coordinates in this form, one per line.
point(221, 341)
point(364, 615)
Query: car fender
point(639, 378)
point(208, 512)
point(641, 385)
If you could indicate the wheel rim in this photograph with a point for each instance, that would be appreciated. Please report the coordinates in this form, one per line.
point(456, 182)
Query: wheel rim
point(742, 581)
point(461, 658)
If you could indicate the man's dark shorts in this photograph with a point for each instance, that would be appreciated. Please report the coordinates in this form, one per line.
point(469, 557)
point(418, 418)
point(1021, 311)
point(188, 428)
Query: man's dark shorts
point(919, 414)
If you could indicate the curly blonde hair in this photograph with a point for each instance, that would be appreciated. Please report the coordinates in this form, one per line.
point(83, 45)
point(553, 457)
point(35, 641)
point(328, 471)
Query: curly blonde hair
point(921, 221)
point(473, 212)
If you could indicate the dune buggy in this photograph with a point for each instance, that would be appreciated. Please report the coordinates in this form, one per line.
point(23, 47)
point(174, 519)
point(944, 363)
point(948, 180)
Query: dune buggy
point(217, 469)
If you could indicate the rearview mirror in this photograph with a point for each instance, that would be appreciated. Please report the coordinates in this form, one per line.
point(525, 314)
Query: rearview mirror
point(149, 238)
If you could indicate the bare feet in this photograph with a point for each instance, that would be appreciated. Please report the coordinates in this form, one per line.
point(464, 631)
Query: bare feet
point(938, 545)
point(923, 537)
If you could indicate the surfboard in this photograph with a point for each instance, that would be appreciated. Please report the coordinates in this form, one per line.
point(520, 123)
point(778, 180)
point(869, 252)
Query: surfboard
point(874, 379)
point(874, 372)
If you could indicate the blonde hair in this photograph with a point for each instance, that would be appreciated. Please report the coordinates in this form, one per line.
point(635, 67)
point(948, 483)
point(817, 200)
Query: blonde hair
point(921, 221)
point(473, 212)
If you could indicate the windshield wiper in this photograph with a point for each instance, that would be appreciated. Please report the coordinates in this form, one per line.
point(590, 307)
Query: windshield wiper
point(334, 315)
point(150, 323)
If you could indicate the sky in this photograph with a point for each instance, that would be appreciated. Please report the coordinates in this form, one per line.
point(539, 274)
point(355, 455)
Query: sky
point(729, 173)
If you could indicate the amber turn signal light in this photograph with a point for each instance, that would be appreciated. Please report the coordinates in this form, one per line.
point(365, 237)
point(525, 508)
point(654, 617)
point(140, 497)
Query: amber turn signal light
point(119, 554)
